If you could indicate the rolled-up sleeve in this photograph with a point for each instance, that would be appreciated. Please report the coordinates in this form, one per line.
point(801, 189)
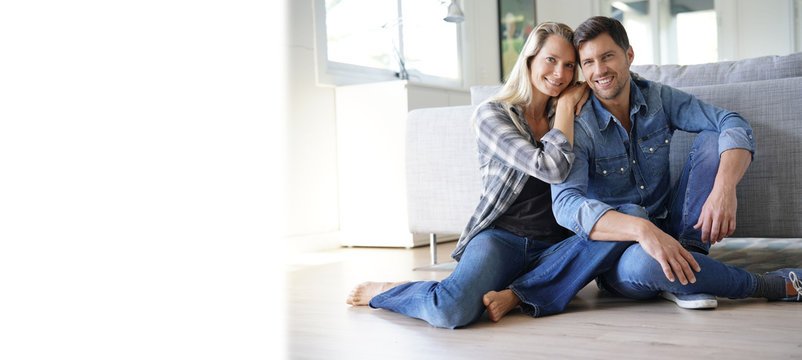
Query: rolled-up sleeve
point(571, 206)
point(737, 138)
point(688, 113)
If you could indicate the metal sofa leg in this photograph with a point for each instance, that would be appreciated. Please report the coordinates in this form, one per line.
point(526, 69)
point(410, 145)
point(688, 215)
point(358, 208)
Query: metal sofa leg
point(433, 247)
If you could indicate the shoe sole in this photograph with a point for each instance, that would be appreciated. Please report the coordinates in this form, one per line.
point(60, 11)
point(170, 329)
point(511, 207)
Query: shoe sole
point(690, 304)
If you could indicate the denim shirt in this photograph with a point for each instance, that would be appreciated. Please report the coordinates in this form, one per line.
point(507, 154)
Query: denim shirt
point(614, 169)
point(507, 157)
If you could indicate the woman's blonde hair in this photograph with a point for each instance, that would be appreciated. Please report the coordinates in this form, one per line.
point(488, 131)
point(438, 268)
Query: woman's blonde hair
point(517, 90)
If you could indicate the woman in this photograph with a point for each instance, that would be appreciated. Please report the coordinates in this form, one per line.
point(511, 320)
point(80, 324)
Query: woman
point(524, 135)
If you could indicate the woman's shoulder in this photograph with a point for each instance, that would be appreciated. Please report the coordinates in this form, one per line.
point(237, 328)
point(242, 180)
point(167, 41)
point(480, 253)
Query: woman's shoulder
point(495, 109)
point(491, 105)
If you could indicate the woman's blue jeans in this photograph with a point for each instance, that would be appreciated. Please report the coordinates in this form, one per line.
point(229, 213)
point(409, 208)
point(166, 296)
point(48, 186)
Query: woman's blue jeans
point(639, 276)
point(548, 278)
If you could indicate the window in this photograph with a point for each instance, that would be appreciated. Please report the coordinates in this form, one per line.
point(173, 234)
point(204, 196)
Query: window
point(668, 31)
point(378, 40)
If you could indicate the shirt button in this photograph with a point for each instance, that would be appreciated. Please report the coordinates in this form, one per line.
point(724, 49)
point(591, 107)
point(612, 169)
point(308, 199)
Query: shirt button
point(641, 187)
point(633, 161)
point(604, 172)
point(651, 149)
point(666, 141)
point(622, 169)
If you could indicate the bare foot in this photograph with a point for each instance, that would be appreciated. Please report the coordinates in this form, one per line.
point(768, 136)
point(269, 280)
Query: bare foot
point(499, 303)
point(362, 293)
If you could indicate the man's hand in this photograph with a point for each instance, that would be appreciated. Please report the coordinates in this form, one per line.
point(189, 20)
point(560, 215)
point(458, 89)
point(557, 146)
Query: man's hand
point(717, 219)
point(667, 251)
point(673, 258)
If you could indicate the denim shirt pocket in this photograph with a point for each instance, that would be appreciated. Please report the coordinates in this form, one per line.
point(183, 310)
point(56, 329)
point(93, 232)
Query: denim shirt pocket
point(654, 147)
point(611, 174)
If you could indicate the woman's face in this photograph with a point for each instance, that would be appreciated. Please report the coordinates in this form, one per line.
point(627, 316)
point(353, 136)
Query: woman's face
point(552, 69)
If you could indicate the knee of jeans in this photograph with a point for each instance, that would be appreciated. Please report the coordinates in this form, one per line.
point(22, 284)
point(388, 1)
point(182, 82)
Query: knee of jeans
point(633, 210)
point(451, 317)
point(637, 261)
point(706, 145)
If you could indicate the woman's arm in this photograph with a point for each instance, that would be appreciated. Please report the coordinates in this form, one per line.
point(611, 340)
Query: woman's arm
point(568, 104)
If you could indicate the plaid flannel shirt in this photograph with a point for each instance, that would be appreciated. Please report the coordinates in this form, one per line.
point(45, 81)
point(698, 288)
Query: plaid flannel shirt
point(506, 158)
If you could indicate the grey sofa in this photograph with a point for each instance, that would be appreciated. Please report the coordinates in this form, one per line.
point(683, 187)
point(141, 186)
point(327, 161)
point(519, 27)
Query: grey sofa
point(443, 179)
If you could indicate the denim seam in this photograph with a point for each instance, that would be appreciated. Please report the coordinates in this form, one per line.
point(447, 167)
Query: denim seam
point(684, 221)
point(752, 285)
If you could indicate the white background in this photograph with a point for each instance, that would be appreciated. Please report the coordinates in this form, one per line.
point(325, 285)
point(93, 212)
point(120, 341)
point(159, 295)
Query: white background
point(141, 152)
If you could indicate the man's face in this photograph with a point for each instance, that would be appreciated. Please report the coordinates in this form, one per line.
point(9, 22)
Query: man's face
point(606, 66)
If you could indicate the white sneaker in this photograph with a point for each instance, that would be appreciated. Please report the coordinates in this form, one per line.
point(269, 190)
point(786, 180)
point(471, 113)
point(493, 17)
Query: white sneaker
point(691, 301)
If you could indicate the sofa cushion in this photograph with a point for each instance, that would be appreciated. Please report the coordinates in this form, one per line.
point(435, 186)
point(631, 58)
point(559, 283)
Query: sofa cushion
point(770, 194)
point(724, 72)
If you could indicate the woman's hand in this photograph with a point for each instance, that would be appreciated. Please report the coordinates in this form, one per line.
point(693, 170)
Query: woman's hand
point(575, 95)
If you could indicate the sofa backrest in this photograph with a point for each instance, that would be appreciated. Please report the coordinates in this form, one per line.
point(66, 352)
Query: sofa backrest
point(481, 93)
point(724, 72)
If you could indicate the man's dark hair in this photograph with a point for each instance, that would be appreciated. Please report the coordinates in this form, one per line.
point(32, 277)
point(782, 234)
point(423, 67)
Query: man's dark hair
point(597, 25)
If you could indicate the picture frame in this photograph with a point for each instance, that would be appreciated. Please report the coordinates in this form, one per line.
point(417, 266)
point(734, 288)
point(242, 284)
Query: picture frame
point(516, 20)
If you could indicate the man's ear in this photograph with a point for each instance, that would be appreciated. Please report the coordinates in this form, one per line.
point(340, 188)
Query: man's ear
point(630, 55)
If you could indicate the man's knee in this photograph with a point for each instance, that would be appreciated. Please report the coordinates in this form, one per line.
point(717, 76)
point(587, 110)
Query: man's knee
point(705, 146)
point(637, 261)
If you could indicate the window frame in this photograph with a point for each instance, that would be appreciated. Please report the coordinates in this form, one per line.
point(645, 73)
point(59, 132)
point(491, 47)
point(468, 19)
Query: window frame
point(333, 73)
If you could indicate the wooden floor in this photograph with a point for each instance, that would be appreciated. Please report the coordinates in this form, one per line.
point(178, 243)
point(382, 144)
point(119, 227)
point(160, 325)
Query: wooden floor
point(321, 326)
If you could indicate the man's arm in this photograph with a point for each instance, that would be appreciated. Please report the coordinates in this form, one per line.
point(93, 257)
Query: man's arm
point(673, 258)
point(717, 219)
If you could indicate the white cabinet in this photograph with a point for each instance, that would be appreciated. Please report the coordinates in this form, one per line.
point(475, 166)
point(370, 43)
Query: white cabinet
point(371, 172)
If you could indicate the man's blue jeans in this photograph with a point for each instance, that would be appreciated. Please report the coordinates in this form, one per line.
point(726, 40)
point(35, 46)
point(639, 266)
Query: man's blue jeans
point(639, 276)
point(550, 276)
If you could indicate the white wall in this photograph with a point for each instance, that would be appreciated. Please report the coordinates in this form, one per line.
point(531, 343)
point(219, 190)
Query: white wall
point(480, 41)
point(312, 143)
point(749, 28)
point(138, 150)
point(569, 12)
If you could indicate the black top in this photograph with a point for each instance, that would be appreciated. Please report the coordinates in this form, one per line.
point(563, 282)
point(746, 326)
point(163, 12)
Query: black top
point(530, 215)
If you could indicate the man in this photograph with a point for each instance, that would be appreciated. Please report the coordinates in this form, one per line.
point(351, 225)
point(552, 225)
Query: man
point(619, 187)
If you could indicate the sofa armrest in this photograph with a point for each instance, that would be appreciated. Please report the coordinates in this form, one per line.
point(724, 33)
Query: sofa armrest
point(443, 178)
